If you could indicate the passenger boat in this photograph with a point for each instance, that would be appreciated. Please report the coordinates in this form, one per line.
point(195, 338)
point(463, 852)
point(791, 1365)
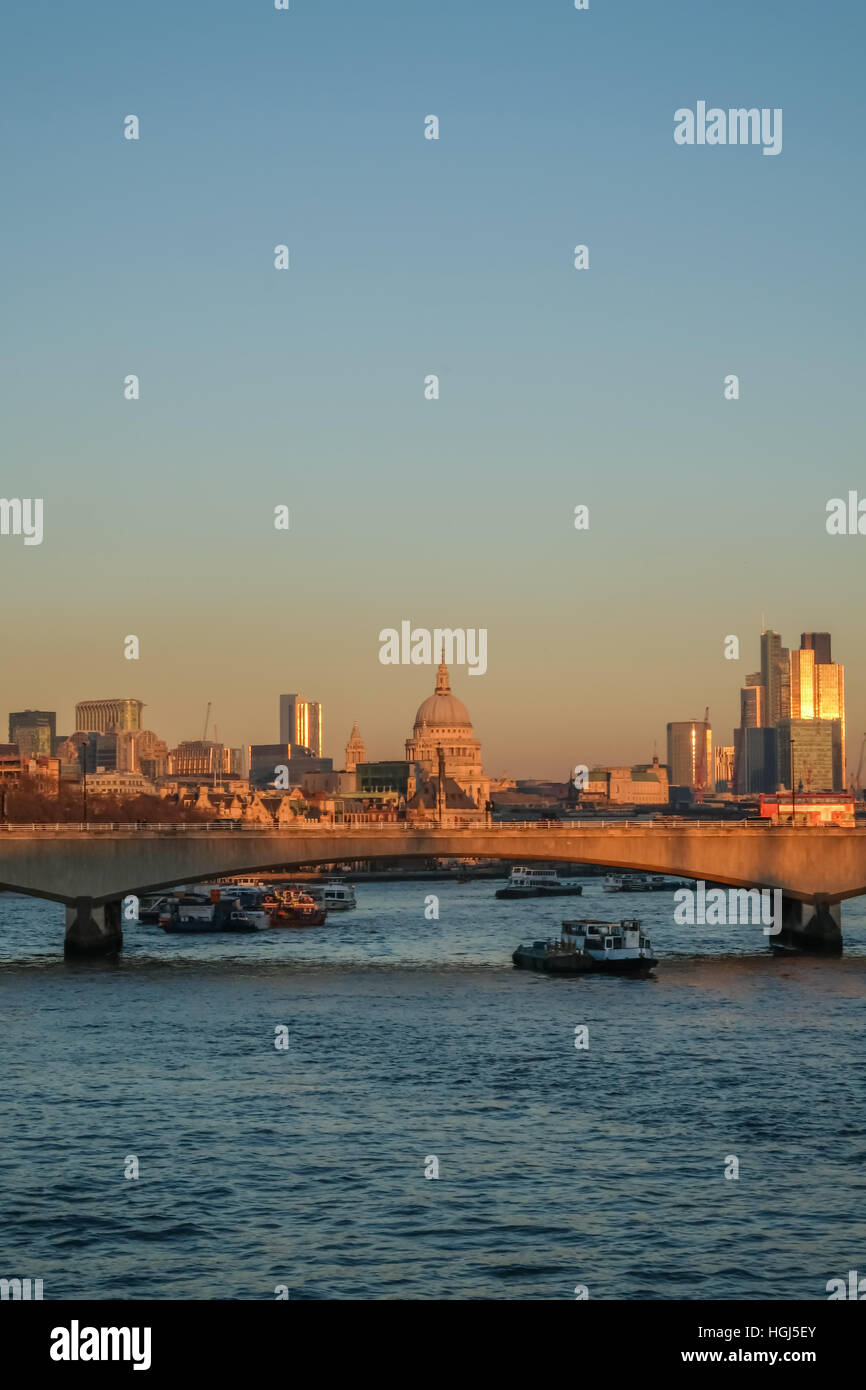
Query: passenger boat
point(608, 948)
point(297, 910)
point(639, 883)
point(537, 883)
point(335, 895)
point(183, 906)
point(203, 897)
point(223, 917)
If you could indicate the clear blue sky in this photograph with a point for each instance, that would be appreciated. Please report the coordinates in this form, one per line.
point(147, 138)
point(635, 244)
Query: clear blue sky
point(412, 257)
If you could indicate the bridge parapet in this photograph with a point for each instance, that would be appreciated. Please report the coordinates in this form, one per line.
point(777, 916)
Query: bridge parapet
point(105, 862)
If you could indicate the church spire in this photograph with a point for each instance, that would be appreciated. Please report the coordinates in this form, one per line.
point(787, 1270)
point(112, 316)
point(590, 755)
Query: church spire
point(443, 685)
point(355, 749)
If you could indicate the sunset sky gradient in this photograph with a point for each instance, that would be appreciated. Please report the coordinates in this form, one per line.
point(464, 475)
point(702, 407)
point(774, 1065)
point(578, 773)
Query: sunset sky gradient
point(412, 257)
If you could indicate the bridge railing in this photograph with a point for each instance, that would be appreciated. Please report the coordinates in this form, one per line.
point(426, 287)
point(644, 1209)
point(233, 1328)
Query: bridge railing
point(402, 827)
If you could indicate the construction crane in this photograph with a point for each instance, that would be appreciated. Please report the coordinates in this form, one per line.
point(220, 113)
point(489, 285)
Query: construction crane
point(206, 721)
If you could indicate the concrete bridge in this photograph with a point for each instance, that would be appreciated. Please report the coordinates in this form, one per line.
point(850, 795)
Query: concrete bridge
point(91, 868)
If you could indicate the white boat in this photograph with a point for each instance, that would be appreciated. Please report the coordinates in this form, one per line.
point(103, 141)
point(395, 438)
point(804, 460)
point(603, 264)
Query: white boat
point(339, 897)
point(611, 948)
point(626, 883)
point(537, 883)
point(335, 895)
point(639, 883)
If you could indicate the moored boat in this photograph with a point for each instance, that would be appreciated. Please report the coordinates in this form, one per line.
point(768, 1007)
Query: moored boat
point(234, 921)
point(297, 910)
point(610, 948)
point(537, 883)
point(639, 883)
point(334, 896)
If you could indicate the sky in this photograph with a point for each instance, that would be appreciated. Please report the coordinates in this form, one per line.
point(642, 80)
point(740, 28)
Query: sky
point(410, 257)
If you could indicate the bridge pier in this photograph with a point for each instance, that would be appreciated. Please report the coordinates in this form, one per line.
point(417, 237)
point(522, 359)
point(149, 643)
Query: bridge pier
point(814, 928)
point(93, 931)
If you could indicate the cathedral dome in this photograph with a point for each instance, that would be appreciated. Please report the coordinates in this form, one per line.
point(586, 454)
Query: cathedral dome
point(442, 709)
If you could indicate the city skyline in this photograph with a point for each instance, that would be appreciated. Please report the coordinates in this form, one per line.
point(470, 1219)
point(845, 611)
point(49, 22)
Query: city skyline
point(295, 708)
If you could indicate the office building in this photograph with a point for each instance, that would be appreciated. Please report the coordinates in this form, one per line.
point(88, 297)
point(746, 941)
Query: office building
point(96, 752)
point(34, 731)
point(819, 643)
point(802, 684)
point(771, 676)
point(690, 754)
point(108, 716)
point(151, 755)
point(382, 777)
point(199, 758)
point(830, 700)
point(302, 723)
point(809, 754)
point(797, 689)
point(723, 769)
point(267, 758)
point(752, 706)
point(643, 785)
point(756, 764)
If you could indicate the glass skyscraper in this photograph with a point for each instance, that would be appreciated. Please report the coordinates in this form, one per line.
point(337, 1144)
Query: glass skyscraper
point(690, 754)
point(302, 723)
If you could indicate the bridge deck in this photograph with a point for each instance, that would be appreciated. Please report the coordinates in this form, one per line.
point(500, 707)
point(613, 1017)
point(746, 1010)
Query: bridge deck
point(105, 862)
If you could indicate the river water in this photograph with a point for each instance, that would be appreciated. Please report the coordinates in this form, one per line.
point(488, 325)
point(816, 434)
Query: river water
point(412, 1039)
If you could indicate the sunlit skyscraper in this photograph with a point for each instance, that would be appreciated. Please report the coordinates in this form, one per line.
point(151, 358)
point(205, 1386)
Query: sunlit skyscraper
point(772, 663)
point(690, 754)
point(302, 723)
point(819, 643)
point(802, 685)
point(830, 699)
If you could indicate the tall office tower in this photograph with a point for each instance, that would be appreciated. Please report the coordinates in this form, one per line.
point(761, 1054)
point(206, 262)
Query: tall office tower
point(771, 676)
point(809, 754)
point(34, 731)
point(753, 765)
point(784, 683)
point(752, 706)
point(356, 751)
point(108, 716)
point(315, 727)
point(289, 718)
point(302, 723)
point(802, 703)
point(819, 643)
point(830, 699)
point(690, 754)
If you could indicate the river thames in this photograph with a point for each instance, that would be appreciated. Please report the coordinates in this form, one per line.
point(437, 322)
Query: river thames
point(412, 1039)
